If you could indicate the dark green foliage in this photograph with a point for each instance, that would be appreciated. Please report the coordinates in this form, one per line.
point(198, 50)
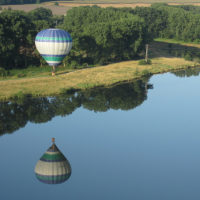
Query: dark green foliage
point(85, 65)
point(0, 8)
point(20, 95)
point(143, 62)
point(105, 34)
point(56, 4)
point(100, 35)
point(146, 73)
point(188, 57)
point(17, 34)
point(38, 2)
point(180, 22)
point(2, 71)
point(73, 65)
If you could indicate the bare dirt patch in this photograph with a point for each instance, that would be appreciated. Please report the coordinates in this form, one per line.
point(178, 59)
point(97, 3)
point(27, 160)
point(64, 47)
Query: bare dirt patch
point(57, 10)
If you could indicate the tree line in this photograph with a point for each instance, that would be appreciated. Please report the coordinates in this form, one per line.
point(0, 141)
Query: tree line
point(100, 35)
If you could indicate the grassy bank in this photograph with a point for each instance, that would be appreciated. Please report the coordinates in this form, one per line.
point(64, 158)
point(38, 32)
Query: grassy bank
point(89, 78)
point(178, 42)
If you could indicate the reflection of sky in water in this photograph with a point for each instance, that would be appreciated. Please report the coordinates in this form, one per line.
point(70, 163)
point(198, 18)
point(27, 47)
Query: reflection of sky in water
point(151, 152)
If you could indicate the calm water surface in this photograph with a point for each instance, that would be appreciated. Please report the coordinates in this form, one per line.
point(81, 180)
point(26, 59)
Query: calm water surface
point(139, 141)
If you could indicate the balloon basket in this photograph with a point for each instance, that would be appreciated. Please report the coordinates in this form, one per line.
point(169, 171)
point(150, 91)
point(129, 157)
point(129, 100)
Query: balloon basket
point(53, 73)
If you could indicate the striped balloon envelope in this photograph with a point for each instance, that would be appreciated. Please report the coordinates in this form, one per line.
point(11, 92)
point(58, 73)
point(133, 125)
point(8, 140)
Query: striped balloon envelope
point(53, 45)
point(53, 167)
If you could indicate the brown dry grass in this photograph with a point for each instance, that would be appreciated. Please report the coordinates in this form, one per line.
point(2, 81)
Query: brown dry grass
point(57, 10)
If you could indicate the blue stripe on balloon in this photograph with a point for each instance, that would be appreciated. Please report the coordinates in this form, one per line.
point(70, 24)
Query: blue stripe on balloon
point(58, 33)
point(57, 160)
point(54, 41)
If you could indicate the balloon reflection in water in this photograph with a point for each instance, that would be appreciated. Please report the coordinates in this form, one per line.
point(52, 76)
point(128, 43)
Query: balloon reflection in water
point(53, 167)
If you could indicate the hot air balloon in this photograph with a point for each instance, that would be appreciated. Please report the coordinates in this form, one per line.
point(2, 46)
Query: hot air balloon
point(53, 167)
point(53, 45)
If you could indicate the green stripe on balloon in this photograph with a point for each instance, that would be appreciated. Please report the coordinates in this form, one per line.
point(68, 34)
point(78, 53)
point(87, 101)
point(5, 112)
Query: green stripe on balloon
point(53, 38)
point(53, 157)
point(47, 58)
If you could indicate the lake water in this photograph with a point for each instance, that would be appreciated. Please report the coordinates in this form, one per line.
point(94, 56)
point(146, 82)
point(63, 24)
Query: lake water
point(138, 140)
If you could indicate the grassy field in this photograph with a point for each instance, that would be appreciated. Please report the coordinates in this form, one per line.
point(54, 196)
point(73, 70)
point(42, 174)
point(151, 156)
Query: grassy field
point(98, 76)
point(57, 10)
point(118, 3)
point(64, 6)
point(131, 1)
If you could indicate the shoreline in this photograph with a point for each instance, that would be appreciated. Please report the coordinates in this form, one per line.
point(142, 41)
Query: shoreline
point(101, 76)
point(104, 76)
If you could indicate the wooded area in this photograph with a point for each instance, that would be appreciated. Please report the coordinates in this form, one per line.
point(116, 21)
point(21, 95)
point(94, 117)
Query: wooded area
point(100, 35)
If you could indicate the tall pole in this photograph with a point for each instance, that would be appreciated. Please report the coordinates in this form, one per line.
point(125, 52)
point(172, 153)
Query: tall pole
point(146, 56)
point(53, 72)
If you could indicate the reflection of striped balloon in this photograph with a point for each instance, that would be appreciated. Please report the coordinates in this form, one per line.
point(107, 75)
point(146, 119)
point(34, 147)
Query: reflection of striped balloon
point(53, 167)
point(53, 45)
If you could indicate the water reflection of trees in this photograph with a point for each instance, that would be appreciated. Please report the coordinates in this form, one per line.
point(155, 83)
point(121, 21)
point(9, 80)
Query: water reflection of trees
point(187, 72)
point(16, 114)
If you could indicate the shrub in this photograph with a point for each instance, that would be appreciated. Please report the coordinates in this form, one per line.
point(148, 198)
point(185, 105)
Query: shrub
point(73, 65)
point(21, 74)
point(188, 57)
point(146, 73)
point(0, 8)
point(7, 73)
point(9, 8)
point(100, 63)
point(85, 64)
point(20, 95)
point(62, 90)
point(143, 62)
point(56, 4)
point(38, 2)
point(2, 71)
